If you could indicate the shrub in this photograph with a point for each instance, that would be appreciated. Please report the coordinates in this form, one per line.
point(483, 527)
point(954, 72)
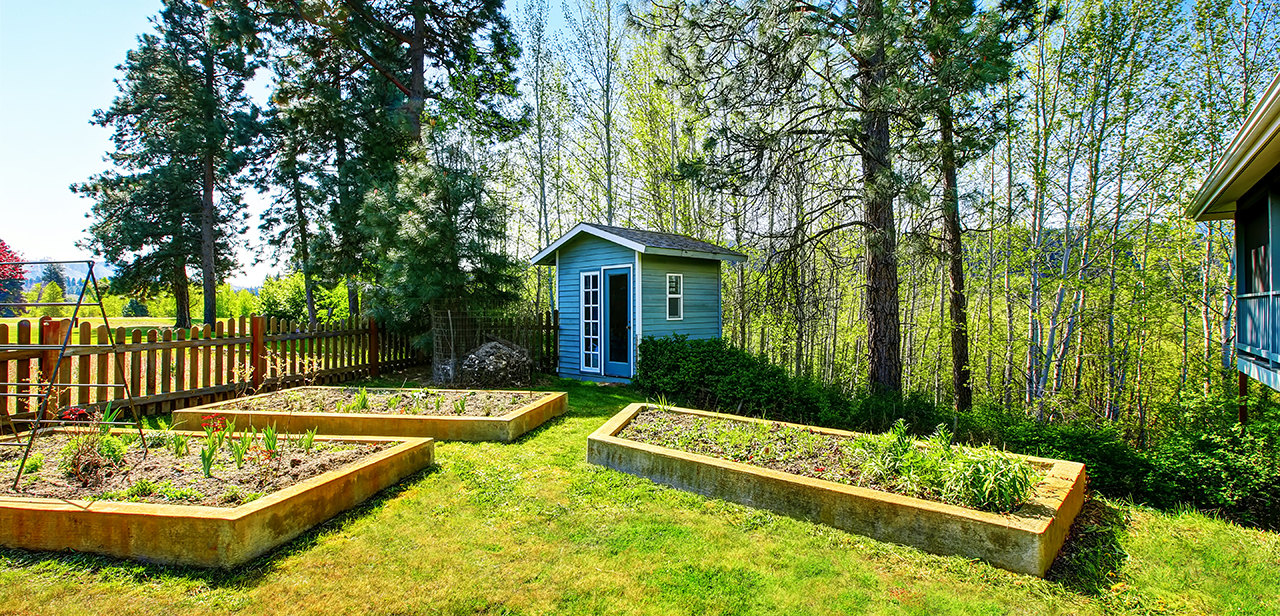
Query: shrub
point(134, 308)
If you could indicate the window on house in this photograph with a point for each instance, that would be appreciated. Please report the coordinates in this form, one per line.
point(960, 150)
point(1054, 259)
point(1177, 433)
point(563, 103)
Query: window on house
point(591, 321)
point(675, 297)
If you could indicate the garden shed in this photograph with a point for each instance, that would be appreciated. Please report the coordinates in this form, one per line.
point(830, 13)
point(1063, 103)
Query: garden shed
point(615, 285)
point(1245, 186)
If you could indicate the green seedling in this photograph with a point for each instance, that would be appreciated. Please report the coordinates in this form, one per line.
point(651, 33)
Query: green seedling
point(240, 446)
point(460, 406)
point(393, 402)
point(180, 445)
point(362, 400)
point(207, 454)
point(270, 439)
point(109, 415)
point(308, 439)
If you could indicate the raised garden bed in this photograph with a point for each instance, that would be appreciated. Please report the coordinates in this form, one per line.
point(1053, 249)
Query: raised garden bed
point(798, 471)
point(442, 414)
point(163, 508)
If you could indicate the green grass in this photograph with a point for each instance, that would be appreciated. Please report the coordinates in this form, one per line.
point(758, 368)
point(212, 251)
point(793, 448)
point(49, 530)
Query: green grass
point(531, 528)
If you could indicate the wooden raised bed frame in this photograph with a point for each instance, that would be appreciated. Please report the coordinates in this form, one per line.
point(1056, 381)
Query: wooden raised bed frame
point(503, 428)
point(207, 536)
point(1025, 542)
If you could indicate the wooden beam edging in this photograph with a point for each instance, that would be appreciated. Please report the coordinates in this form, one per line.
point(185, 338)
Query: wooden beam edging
point(504, 428)
point(208, 536)
point(1025, 542)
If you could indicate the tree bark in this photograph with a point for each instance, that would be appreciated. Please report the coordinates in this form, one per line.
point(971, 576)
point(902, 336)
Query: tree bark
point(957, 304)
point(181, 297)
point(208, 215)
point(883, 319)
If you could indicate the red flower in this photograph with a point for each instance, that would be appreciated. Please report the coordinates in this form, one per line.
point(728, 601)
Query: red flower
point(819, 468)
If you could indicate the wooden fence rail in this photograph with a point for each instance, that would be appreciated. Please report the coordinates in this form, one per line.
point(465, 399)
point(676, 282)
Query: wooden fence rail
point(176, 368)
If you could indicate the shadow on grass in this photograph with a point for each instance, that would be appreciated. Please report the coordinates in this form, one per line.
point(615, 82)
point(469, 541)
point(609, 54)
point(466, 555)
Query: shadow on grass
point(243, 577)
point(1090, 561)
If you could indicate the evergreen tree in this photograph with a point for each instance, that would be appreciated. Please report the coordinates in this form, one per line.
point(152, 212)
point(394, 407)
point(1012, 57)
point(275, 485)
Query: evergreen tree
point(183, 131)
point(54, 272)
point(11, 281)
point(968, 52)
point(439, 232)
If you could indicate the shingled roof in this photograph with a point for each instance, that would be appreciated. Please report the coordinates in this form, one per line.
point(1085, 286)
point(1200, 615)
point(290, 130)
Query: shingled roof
point(645, 242)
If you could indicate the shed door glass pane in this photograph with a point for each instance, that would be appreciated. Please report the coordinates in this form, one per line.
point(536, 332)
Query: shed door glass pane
point(591, 322)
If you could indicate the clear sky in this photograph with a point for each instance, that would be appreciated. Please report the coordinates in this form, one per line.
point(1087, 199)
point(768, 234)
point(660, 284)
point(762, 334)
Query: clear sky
point(57, 65)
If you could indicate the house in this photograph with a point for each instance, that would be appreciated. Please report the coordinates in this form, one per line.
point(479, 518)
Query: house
point(616, 285)
point(1245, 186)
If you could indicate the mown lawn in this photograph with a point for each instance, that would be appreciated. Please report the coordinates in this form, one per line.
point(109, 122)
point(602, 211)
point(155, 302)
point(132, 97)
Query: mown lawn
point(531, 528)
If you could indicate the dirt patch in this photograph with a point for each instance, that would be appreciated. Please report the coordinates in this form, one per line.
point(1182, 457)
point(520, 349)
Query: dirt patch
point(431, 402)
point(115, 468)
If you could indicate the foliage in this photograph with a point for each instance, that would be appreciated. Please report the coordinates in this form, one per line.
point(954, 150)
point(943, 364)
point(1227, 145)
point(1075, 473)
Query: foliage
point(85, 455)
point(283, 298)
point(134, 308)
point(439, 231)
point(181, 124)
point(1215, 468)
point(53, 293)
point(11, 280)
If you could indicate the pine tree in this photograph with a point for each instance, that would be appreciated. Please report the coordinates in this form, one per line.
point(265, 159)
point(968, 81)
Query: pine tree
point(183, 129)
point(969, 52)
point(439, 230)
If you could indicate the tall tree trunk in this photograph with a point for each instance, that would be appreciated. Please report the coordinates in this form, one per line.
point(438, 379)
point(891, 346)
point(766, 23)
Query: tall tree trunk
point(957, 307)
point(181, 297)
point(208, 216)
point(417, 63)
point(303, 249)
point(883, 320)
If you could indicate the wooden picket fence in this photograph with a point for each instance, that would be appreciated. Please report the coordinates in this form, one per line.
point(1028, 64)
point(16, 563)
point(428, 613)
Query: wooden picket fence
point(176, 368)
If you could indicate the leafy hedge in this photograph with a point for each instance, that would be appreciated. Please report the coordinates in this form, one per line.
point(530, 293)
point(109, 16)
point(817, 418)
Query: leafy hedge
point(1216, 469)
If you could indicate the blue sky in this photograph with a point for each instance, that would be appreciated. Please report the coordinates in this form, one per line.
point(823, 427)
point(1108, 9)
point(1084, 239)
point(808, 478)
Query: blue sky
point(57, 65)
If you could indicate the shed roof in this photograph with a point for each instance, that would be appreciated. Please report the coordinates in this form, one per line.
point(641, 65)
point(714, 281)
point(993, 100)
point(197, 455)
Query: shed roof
point(1252, 154)
point(645, 242)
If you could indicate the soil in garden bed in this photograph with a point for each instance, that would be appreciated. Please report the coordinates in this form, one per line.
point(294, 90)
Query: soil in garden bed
point(933, 469)
point(386, 402)
point(168, 474)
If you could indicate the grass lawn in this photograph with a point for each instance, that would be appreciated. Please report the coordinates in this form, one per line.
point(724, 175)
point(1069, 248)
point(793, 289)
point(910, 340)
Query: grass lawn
point(531, 528)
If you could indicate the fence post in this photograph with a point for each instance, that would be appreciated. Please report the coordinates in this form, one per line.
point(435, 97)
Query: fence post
point(373, 348)
point(257, 356)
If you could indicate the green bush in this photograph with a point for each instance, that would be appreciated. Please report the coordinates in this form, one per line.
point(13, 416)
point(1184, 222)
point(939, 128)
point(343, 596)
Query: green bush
point(134, 308)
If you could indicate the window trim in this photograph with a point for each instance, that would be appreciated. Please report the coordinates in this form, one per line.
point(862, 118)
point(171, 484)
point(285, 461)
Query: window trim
point(583, 322)
point(670, 296)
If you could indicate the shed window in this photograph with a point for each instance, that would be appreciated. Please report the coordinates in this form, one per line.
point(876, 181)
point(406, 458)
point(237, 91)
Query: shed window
point(591, 321)
point(675, 297)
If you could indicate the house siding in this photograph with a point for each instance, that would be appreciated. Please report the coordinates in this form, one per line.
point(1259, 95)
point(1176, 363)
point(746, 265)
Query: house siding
point(701, 296)
point(582, 253)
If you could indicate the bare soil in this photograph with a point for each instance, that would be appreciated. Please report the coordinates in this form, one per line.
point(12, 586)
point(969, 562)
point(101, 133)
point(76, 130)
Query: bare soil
point(434, 402)
point(163, 477)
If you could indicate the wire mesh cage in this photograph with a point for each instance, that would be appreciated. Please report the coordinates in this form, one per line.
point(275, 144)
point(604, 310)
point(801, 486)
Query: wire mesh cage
point(487, 347)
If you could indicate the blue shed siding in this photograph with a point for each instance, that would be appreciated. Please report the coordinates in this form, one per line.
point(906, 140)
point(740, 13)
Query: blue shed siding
point(583, 253)
point(701, 296)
